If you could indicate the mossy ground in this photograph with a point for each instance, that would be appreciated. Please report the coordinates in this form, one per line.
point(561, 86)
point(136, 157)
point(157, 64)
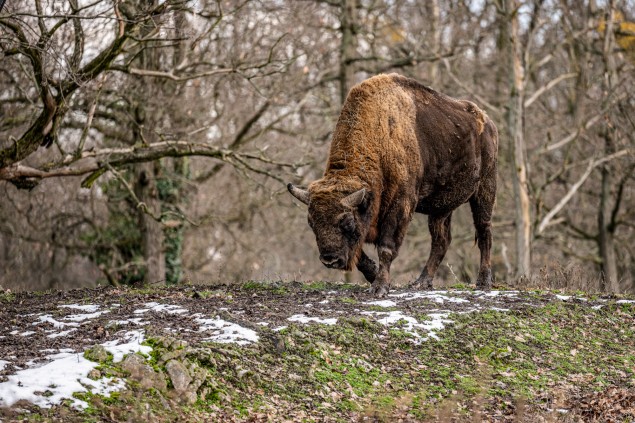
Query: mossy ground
point(530, 363)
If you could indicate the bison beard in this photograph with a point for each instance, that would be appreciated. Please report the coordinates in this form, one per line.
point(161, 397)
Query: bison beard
point(398, 148)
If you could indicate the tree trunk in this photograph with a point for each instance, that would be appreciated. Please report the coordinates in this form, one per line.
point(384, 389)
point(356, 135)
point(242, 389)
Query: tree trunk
point(606, 227)
point(606, 240)
point(145, 182)
point(515, 122)
point(151, 230)
point(347, 53)
point(347, 47)
point(434, 12)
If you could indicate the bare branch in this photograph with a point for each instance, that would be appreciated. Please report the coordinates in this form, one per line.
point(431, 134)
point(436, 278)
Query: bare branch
point(574, 188)
point(573, 135)
point(170, 75)
point(547, 87)
point(100, 160)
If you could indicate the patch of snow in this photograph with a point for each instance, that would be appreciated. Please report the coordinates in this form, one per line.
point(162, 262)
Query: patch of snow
point(48, 318)
point(227, 332)
point(157, 307)
point(61, 350)
point(279, 328)
point(63, 333)
point(131, 344)
point(3, 364)
point(48, 384)
point(14, 332)
point(382, 303)
point(85, 316)
point(597, 307)
point(301, 318)
point(563, 297)
point(324, 302)
point(308, 305)
point(436, 296)
point(89, 308)
point(410, 324)
point(27, 333)
point(624, 302)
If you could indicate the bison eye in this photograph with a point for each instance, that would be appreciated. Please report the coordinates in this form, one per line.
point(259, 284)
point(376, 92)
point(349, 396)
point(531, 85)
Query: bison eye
point(348, 224)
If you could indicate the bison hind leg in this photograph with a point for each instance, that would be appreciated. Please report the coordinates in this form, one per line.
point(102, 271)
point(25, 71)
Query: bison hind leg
point(482, 205)
point(368, 267)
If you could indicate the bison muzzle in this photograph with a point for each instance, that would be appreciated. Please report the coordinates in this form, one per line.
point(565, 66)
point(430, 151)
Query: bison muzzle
point(398, 148)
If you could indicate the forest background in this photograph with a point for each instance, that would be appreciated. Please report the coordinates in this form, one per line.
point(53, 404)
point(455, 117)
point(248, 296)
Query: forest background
point(150, 141)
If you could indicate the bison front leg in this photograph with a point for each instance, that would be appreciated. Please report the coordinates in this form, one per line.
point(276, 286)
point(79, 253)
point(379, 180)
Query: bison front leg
point(391, 236)
point(368, 267)
point(381, 285)
point(441, 233)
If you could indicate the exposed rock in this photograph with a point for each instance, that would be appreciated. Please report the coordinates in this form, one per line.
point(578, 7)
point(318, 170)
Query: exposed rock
point(141, 372)
point(179, 375)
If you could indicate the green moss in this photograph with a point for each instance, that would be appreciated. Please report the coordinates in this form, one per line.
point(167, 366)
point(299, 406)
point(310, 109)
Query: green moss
point(7, 296)
point(274, 287)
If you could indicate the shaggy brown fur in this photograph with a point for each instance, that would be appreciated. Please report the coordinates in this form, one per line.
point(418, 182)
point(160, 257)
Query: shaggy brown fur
point(402, 147)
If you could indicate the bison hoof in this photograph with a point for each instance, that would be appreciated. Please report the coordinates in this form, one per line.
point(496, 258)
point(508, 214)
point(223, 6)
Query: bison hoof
point(422, 283)
point(484, 280)
point(379, 290)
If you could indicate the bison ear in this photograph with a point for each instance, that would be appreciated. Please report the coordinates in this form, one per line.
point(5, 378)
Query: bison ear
point(355, 199)
point(300, 194)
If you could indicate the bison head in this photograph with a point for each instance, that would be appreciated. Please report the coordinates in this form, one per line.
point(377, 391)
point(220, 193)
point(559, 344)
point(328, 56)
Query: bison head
point(340, 222)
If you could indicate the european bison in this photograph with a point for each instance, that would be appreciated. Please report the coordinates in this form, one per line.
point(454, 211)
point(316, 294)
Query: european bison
point(400, 147)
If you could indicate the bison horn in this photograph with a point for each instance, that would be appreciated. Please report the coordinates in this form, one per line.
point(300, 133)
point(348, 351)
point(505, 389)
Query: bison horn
point(354, 199)
point(299, 193)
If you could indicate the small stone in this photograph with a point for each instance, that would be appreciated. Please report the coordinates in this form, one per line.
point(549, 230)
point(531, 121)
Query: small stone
point(190, 397)
point(94, 374)
point(178, 375)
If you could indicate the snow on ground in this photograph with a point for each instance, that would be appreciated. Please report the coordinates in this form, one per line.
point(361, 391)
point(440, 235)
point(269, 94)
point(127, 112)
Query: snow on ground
point(436, 296)
point(64, 372)
point(168, 308)
point(411, 325)
point(129, 343)
point(226, 332)
point(301, 318)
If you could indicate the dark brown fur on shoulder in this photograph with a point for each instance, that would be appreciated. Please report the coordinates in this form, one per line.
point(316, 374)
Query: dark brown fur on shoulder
point(400, 147)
